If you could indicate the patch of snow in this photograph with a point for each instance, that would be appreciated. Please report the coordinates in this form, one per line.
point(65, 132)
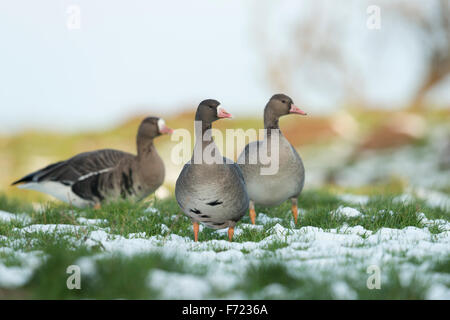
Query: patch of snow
point(347, 212)
point(17, 276)
point(137, 235)
point(151, 210)
point(434, 199)
point(333, 255)
point(164, 228)
point(355, 199)
point(12, 277)
point(404, 198)
point(94, 222)
point(273, 291)
point(49, 228)
point(279, 230)
point(7, 217)
point(444, 225)
point(172, 285)
point(438, 292)
point(87, 265)
point(341, 290)
point(262, 218)
point(98, 236)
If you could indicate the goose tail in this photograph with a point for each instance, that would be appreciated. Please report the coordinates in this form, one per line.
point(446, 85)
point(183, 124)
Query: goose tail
point(36, 175)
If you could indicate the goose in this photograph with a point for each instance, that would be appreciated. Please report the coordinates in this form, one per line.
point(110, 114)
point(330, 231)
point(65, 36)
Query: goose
point(90, 178)
point(288, 180)
point(211, 192)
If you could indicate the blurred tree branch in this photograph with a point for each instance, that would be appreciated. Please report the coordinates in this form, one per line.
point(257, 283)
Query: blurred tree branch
point(316, 52)
point(435, 34)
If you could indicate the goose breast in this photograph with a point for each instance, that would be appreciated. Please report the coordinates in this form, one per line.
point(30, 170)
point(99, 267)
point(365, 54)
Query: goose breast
point(213, 194)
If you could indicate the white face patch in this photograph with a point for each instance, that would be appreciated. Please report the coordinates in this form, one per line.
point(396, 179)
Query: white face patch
point(219, 107)
point(161, 124)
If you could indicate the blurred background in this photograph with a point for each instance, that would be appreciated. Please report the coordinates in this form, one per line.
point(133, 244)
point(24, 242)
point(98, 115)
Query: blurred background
point(374, 77)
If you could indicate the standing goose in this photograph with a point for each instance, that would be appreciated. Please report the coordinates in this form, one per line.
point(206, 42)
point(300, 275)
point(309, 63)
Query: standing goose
point(90, 178)
point(288, 181)
point(211, 192)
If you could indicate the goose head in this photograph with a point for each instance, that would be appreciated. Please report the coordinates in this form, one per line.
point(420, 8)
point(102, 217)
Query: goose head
point(281, 105)
point(210, 110)
point(153, 127)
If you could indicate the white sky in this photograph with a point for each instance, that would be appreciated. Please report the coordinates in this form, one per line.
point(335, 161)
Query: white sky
point(158, 57)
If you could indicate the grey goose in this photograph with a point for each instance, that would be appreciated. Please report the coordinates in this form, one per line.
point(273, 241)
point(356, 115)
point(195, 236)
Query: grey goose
point(288, 181)
point(90, 178)
point(211, 192)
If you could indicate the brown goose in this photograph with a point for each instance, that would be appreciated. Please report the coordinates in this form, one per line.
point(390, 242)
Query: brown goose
point(288, 181)
point(211, 192)
point(90, 178)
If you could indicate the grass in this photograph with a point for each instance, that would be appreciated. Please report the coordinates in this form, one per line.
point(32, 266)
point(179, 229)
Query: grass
point(259, 265)
point(11, 204)
point(120, 275)
point(115, 277)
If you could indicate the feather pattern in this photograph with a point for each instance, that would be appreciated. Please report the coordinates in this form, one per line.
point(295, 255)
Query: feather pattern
point(213, 194)
point(92, 177)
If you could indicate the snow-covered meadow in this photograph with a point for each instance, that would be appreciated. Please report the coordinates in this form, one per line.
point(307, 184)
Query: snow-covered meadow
point(272, 259)
point(381, 232)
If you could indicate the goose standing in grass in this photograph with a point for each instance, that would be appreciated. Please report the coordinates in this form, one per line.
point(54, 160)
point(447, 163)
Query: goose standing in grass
point(288, 180)
point(90, 178)
point(211, 192)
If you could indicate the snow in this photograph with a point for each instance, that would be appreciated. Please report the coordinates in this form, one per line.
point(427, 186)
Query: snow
point(420, 167)
point(49, 228)
point(274, 291)
point(164, 228)
point(11, 277)
point(341, 290)
point(438, 292)
point(309, 248)
point(8, 217)
point(87, 265)
point(265, 219)
point(17, 276)
point(151, 210)
point(94, 222)
point(173, 285)
point(444, 225)
point(310, 252)
point(434, 198)
point(355, 199)
point(347, 212)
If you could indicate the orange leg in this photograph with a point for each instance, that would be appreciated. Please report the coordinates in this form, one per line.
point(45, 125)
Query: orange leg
point(252, 212)
point(195, 231)
point(294, 209)
point(230, 233)
point(97, 206)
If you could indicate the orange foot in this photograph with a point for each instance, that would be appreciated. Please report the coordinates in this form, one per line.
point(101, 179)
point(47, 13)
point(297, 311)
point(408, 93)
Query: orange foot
point(252, 215)
point(230, 233)
point(295, 212)
point(195, 224)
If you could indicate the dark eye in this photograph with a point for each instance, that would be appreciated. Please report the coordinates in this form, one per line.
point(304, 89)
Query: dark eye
point(284, 101)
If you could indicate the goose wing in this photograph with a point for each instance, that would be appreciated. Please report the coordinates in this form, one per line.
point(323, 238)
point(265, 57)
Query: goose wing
point(77, 168)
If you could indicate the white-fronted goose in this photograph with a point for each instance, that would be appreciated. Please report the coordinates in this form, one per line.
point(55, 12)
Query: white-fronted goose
point(211, 193)
point(90, 178)
point(288, 181)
